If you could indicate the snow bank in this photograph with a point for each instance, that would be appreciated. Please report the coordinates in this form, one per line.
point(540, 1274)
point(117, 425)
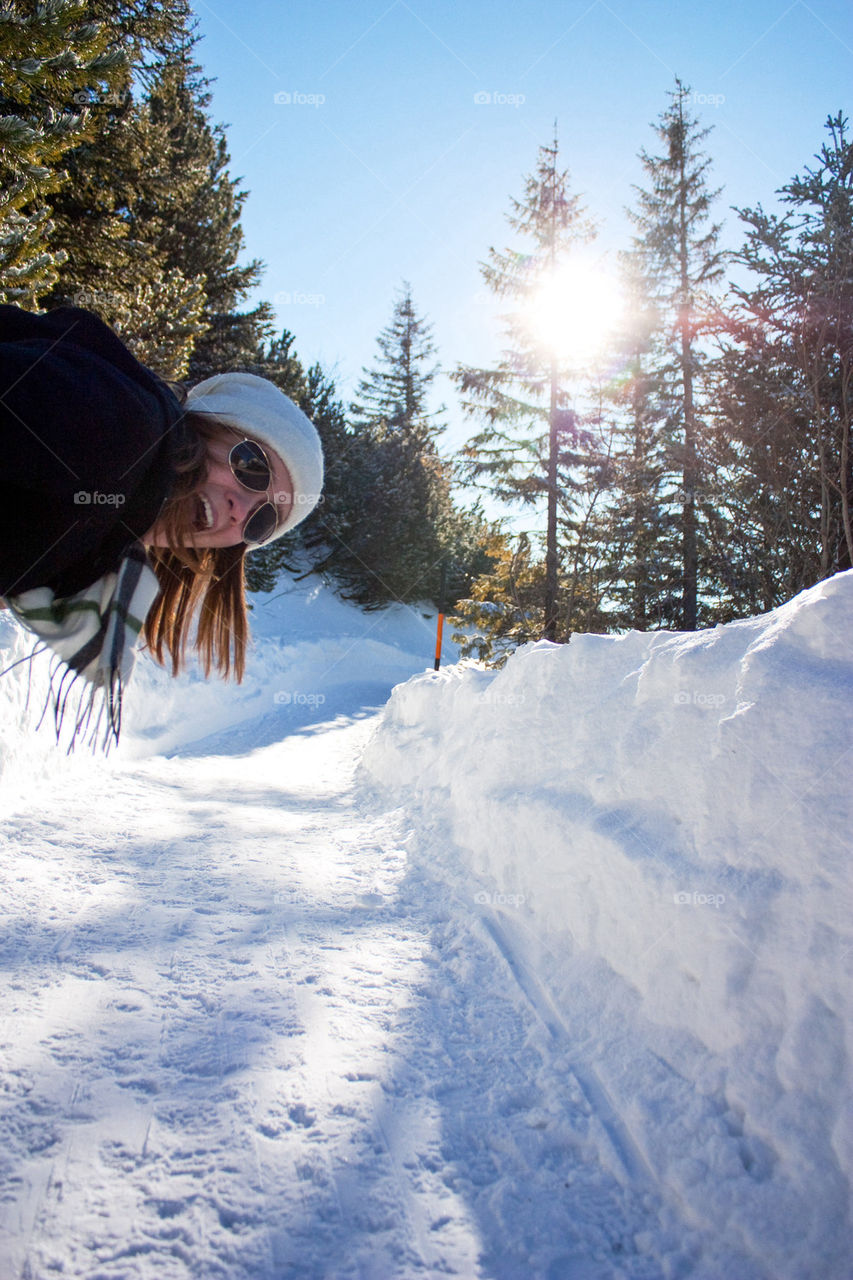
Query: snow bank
point(312, 657)
point(657, 829)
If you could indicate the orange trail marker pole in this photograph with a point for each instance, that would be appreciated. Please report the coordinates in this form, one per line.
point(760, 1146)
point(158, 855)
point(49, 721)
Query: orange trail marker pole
point(438, 641)
point(441, 607)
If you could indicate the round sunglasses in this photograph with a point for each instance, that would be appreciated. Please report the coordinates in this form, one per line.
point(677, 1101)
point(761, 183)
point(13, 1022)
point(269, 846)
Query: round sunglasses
point(251, 468)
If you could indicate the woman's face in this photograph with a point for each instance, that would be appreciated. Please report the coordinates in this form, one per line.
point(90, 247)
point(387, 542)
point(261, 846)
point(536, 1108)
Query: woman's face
point(223, 505)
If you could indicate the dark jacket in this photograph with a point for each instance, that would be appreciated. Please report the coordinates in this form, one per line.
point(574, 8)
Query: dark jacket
point(87, 440)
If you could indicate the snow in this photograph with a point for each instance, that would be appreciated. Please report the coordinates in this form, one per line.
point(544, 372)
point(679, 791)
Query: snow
point(660, 828)
point(542, 972)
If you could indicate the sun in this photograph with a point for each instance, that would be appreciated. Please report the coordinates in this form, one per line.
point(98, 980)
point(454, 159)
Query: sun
point(574, 310)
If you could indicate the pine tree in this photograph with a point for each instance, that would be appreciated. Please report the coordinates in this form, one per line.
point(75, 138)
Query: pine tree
point(347, 538)
point(114, 263)
point(392, 397)
point(322, 543)
point(504, 609)
point(150, 223)
point(634, 527)
point(396, 539)
point(532, 445)
point(194, 216)
point(786, 409)
point(198, 218)
point(677, 247)
point(51, 58)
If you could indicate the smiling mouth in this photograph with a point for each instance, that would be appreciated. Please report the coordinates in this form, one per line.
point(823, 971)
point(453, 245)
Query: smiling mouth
point(204, 514)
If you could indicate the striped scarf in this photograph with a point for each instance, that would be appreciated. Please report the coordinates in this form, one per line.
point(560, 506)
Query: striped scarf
point(94, 636)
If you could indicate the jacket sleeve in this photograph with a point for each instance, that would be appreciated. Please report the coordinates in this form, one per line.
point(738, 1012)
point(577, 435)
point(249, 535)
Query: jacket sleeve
point(86, 440)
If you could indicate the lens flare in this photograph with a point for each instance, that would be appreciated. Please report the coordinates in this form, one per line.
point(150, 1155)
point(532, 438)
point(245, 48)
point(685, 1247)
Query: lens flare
point(573, 311)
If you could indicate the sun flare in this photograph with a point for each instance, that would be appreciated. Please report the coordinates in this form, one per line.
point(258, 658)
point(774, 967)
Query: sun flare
point(574, 310)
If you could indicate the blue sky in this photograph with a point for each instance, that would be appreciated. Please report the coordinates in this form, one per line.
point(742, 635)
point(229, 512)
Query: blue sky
point(381, 142)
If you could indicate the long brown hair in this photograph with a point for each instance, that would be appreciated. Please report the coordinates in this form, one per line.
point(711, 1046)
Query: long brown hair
point(209, 581)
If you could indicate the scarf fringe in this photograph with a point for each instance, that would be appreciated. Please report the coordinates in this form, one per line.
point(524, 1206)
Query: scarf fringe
point(91, 712)
point(103, 702)
point(93, 637)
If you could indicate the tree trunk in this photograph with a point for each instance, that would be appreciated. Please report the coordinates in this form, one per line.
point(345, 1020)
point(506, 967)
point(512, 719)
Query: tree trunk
point(639, 590)
point(846, 466)
point(549, 631)
point(689, 589)
point(689, 554)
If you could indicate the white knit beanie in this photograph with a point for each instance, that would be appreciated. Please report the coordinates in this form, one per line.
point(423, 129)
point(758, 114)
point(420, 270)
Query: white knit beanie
point(262, 410)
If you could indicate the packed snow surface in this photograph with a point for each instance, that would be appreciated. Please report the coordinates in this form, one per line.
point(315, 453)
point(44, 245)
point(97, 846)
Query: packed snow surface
point(542, 972)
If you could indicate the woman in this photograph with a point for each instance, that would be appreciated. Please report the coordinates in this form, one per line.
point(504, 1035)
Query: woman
point(128, 510)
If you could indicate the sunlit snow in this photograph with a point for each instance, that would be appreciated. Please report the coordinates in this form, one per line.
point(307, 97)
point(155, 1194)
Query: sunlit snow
point(536, 973)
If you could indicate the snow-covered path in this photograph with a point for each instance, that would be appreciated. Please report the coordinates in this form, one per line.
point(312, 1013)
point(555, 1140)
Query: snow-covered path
point(242, 1037)
point(547, 978)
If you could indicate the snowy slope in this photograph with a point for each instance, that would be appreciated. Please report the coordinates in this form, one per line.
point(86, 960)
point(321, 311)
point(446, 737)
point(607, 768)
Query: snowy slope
point(542, 973)
point(656, 830)
point(243, 1036)
point(311, 653)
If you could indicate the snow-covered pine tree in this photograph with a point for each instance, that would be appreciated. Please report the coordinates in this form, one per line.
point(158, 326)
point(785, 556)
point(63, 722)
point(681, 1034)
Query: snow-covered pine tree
point(51, 58)
point(151, 222)
point(677, 246)
point(192, 214)
point(199, 229)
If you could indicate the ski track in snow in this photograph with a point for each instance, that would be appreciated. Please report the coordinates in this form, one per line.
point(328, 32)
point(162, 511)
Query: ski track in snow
point(242, 1038)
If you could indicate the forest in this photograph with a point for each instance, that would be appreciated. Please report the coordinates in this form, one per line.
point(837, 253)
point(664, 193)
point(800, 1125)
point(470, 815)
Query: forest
point(693, 468)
